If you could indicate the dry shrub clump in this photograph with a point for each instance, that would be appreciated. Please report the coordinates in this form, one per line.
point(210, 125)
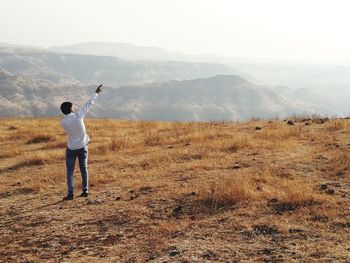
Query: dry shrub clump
point(119, 143)
point(40, 139)
point(55, 145)
point(152, 137)
point(256, 186)
point(10, 152)
point(335, 126)
point(239, 142)
point(109, 145)
point(37, 159)
point(339, 164)
point(227, 192)
point(280, 132)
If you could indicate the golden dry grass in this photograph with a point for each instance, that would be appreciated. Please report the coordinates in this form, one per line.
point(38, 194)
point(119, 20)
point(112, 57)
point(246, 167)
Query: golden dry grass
point(178, 192)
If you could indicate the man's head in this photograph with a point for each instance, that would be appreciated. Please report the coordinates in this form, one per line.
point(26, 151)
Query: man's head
point(66, 107)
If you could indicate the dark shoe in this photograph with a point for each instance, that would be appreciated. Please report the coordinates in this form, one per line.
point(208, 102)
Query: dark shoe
point(68, 197)
point(84, 194)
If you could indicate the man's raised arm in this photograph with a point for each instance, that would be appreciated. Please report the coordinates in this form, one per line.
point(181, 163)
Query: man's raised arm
point(83, 111)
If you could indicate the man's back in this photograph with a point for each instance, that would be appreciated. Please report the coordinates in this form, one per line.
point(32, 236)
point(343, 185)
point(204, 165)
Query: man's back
point(75, 129)
point(73, 124)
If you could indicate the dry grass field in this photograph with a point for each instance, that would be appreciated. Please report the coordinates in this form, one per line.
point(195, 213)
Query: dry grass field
point(258, 191)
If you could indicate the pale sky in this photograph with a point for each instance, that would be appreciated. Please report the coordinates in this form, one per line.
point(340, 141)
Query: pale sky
point(296, 29)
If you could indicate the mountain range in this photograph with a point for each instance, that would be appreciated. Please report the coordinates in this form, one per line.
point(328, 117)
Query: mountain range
point(142, 83)
point(42, 64)
point(222, 97)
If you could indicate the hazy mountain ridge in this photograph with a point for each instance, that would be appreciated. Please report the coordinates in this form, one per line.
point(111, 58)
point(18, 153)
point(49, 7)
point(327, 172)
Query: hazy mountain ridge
point(94, 69)
point(330, 83)
point(222, 97)
point(196, 95)
point(122, 50)
point(24, 96)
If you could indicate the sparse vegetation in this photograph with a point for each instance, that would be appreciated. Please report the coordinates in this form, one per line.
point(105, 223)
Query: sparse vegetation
point(260, 185)
point(40, 139)
point(163, 191)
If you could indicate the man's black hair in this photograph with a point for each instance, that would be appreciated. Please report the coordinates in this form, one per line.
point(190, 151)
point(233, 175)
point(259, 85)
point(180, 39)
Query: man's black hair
point(66, 107)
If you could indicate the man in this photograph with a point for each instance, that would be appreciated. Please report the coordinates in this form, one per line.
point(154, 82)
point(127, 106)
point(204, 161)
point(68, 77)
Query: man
point(77, 146)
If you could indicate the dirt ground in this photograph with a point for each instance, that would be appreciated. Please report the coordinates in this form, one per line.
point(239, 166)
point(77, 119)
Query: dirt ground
point(258, 191)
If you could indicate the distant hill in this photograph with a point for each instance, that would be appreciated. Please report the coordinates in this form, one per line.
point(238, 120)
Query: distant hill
point(320, 103)
point(330, 84)
point(123, 51)
point(222, 97)
point(89, 69)
point(49, 69)
point(24, 96)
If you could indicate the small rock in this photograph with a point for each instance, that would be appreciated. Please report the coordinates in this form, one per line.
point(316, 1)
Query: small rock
point(323, 187)
point(272, 201)
point(146, 189)
point(173, 251)
point(144, 165)
point(118, 198)
point(193, 193)
point(208, 255)
point(330, 191)
point(94, 202)
point(307, 123)
point(295, 230)
point(290, 123)
point(339, 173)
point(187, 144)
point(257, 128)
point(318, 218)
point(236, 166)
point(151, 257)
point(178, 209)
point(265, 230)
point(267, 251)
point(322, 121)
point(134, 196)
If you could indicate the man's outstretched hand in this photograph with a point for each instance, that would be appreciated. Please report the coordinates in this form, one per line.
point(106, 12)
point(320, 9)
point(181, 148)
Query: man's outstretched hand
point(99, 89)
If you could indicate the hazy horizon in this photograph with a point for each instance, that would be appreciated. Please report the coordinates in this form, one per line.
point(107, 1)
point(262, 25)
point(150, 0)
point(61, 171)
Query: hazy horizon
point(313, 31)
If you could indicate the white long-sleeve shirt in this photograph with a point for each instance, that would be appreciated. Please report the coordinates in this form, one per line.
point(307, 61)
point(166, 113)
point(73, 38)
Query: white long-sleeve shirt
point(73, 124)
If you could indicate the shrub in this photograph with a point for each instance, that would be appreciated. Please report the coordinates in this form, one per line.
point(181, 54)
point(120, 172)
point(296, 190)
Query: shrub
point(40, 139)
point(118, 144)
point(152, 138)
point(255, 185)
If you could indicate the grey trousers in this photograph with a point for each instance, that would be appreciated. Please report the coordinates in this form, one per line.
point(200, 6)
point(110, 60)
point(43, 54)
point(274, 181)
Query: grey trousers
point(71, 156)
